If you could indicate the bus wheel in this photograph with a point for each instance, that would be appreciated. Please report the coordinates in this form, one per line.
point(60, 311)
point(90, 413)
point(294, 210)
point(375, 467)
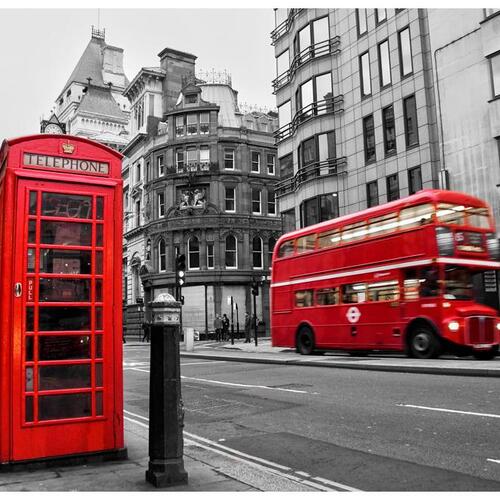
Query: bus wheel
point(424, 344)
point(305, 340)
point(486, 355)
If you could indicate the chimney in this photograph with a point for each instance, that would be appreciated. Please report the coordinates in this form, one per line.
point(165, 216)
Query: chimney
point(177, 65)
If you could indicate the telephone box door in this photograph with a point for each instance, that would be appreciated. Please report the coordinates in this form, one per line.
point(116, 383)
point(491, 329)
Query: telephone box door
point(63, 320)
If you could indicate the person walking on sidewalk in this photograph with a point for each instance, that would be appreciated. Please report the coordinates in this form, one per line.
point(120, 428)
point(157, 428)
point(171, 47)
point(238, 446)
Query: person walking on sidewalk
point(218, 327)
point(225, 327)
point(247, 328)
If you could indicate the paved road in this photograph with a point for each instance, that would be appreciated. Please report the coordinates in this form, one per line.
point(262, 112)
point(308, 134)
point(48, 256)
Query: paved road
point(347, 429)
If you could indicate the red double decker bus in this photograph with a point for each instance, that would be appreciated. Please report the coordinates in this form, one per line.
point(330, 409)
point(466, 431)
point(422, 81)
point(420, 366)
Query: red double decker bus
point(396, 277)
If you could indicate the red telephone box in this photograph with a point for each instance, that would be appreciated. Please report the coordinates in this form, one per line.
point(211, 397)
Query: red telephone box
point(61, 388)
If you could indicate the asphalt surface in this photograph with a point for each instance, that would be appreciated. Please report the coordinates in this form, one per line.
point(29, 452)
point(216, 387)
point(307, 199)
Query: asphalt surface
point(346, 428)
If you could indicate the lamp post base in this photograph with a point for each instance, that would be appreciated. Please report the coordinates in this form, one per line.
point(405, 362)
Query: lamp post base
point(162, 473)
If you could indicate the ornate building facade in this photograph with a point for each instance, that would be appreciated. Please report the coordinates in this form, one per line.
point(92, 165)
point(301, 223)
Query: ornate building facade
point(199, 181)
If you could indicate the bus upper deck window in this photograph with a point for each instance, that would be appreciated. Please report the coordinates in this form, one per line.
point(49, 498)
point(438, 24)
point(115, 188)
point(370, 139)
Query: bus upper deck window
point(415, 216)
point(306, 243)
point(478, 217)
point(285, 249)
point(451, 214)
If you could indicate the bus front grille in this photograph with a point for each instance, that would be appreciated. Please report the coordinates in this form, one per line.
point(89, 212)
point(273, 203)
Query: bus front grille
point(479, 330)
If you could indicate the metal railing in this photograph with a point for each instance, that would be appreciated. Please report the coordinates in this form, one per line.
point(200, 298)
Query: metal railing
point(194, 167)
point(285, 26)
point(331, 166)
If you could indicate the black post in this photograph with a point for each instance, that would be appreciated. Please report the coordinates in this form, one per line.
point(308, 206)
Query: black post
point(232, 323)
point(166, 412)
point(237, 322)
point(255, 317)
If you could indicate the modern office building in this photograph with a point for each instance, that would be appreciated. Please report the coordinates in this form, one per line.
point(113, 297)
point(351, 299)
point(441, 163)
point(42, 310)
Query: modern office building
point(199, 181)
point(375, 104)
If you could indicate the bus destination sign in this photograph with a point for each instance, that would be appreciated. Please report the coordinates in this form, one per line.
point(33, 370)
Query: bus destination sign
point(61, 163)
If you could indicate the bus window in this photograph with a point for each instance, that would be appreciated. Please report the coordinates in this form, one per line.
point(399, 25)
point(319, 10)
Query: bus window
point(411, 284)
point(458, 283)
point(383, 224)
point(329, 239)
point(353, 294)
point(415, 216)
point(451, 214)
point(327, 296)
point(429, 284)
point(303, 298)
point(306, 243)
point(383, 290)
point(354, 232)
point(285, 249)
point(478, 217)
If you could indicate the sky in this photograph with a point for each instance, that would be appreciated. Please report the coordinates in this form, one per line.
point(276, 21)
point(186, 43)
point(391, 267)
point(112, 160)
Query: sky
point(40, 47)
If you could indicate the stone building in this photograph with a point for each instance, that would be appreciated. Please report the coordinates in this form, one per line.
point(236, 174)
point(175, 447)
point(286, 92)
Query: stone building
point(375, 104)
point(199, 181)
point(91, 103)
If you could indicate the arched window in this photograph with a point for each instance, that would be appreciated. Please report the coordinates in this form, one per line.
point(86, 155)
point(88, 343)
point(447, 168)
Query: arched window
point(271, 245)
point(162, 256)
point(257, 253)
point(136, 280)
point(193, 253)
point(231, 252)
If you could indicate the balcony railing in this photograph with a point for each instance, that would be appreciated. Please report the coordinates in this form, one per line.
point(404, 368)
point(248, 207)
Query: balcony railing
point(284, 27)
point(331, 46)
point(332, 166)
point(318, 108)
point(194, 167)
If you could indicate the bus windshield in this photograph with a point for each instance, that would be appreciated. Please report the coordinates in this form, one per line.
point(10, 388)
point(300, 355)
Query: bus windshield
point(458, 283)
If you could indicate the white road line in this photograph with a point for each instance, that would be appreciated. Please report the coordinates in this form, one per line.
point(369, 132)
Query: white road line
point(491, 415)
point(493, 460)
point(203, 363)
point(234, 384)
point(259, 463)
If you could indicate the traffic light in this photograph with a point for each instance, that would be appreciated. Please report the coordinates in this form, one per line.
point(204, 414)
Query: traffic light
point(180, 270)
point(255, 288)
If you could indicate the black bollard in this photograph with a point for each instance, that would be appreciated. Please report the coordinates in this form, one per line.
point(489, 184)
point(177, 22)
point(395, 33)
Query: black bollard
point(166, 412)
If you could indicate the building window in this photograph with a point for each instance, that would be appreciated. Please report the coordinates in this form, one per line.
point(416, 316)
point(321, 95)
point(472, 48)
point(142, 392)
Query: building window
point(284, 119)
point(410, 118)
point(137, 213)
point(229, 159)
point(321, 33)
point(271, 164)
point(288, 218)
point(389, 130)
point(323, 95)
point(204, 156)
point(210, 255)
point(179, 159)
point(161, 204)
point(192, 124)
point(125, 199)
point(162, 256)
point(369, 139)
point(230, 199)
point(255, 161)
point(384, 62)
point(204, 123)
point(270, 249)
point(372, 194)
point(283, 63)
point(231, 257)
point(160, 166)
point(305, 99)
point(191, 156)
point(319, 209)
point(381, 15)
point(193, 253)
point(405, 56)
point(257, 253)
point(303, 43)
point(137, 172)
point(256, 201)
point(191, 98)
point(364, 70)
point(361, 21)
point(414, 180)
point(271, 203)
point(179, 126)
point(495, 74)
point(392, 187)
point(286, 166)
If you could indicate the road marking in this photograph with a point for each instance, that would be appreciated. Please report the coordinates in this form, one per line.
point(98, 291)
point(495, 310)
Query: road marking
point(203, 363)
point(135, 363)
point(234, 384)
point(491, 415)
point(493, 460)
point(256, 462)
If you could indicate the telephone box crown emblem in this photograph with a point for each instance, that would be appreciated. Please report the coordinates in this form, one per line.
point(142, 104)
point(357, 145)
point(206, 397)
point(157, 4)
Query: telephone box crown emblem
point(68, 148)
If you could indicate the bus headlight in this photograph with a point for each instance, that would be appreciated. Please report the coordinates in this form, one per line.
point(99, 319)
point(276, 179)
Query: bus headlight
point(454, 326)
point(498, 326)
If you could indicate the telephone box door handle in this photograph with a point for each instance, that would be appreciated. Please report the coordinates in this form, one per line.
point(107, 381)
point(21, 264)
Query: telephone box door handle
point(18, 289)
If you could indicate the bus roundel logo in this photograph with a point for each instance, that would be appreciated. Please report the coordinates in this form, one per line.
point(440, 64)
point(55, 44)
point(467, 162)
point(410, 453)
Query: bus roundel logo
point(353, 314)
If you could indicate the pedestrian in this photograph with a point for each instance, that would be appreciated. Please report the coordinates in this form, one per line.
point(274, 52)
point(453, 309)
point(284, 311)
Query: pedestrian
point(247, 328)
point(225, 327)
point(218, 327)
point(146, 328)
